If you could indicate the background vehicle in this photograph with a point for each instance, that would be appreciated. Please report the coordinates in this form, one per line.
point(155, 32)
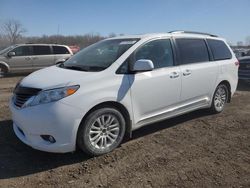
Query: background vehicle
point(119, 85)
point(244, 69)
point(75, 48)
point(240, 52)
point(30, 57)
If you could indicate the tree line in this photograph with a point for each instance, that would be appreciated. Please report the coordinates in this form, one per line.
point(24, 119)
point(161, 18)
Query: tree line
point(12, 32)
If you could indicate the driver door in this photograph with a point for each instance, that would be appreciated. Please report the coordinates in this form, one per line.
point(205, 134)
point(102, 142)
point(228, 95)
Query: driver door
point(21, 60)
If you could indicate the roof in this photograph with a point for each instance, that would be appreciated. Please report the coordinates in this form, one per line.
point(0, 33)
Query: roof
point(170, 34)
point(38, 44)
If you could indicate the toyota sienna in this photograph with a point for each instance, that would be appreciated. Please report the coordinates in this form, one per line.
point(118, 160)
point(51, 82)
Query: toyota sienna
point(120, 84)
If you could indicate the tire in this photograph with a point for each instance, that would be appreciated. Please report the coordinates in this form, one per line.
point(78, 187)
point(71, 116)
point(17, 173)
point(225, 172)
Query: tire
point(101, 132)
point(220, 99)
point(3, 71)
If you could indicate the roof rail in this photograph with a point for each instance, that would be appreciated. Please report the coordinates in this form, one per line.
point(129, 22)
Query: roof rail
point(193, 32)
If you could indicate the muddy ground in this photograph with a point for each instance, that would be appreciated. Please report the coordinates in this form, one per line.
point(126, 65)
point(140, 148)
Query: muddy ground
point(193, 150)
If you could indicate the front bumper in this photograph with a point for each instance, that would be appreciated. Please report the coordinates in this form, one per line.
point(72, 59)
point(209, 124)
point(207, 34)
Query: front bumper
point(56, 119)
point(244, 74)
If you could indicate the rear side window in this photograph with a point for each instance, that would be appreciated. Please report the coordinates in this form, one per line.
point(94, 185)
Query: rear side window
point(219, 49)
point(60, 50)
point(41, 50)
point(192, 50)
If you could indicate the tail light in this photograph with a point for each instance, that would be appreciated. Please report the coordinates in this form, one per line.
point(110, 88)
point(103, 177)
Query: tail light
point(237, 63)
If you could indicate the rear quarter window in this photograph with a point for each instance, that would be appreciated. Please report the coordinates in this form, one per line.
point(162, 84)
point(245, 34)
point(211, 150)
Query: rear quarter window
point(60, 50)
point(219, 49)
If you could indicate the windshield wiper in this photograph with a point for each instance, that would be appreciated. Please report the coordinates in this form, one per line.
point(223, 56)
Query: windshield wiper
point(83, 68)
point(72, 67)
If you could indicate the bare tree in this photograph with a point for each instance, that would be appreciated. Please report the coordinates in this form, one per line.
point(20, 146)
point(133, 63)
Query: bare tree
point(14, 30)
point(112, 35)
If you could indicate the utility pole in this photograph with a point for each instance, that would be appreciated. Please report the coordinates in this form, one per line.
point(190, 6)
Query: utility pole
point(58, 30)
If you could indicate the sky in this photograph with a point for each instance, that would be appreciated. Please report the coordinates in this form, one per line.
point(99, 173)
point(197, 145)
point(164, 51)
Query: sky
point(226, 18)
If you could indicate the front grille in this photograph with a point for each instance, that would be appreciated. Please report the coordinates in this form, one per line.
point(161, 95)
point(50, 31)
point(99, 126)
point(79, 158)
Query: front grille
point(20, 99)
point(23, 94)
point(244, 66)
point(244, 74)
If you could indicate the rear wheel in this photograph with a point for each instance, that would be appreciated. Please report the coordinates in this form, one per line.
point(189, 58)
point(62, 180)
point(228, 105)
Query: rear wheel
point(101, 132)
point(220, 98)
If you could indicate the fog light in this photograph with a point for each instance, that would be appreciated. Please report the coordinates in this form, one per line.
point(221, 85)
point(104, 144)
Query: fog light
point(48, 138)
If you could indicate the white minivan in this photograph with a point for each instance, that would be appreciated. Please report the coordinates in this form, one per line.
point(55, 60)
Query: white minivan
point(121, 84)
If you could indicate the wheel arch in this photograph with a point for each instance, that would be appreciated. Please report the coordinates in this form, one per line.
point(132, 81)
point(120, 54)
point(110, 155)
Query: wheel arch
point(228, 87)
point(59, 61)
point(5, 65)
point(120, 107)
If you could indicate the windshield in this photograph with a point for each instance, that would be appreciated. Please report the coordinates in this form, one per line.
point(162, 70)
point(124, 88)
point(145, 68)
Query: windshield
point(7, 49)
point(99, 56)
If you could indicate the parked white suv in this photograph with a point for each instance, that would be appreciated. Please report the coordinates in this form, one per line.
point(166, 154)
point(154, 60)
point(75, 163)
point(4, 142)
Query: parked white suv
point(31, 57)
point(119, 85)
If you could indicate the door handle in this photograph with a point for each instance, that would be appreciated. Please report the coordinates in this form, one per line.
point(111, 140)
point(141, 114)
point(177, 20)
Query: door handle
point(35, 58)
point(174, 75)
point(28, 58)
point(186, 72)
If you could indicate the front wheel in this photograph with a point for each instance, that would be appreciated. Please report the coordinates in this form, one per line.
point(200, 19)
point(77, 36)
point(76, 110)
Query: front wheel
point(2, 71)
point(101, 132)
point(220, 99)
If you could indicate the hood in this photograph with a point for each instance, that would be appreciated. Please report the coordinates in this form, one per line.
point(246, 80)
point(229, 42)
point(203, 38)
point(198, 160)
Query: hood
point(54, 77)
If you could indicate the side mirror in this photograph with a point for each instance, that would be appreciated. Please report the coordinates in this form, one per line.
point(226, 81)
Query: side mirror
point(143, 65)
point(60, 61)
point(10, 54)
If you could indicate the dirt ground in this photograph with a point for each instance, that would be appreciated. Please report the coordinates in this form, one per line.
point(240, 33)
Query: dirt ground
point(193, 150)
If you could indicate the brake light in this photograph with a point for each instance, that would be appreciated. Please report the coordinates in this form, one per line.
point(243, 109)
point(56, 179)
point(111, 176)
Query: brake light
point(237, 63)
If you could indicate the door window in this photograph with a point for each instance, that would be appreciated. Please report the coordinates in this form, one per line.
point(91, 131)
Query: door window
point(22, 51)
point(60, 50)
point(192, 50)
point(41, 50)
point(158, 51)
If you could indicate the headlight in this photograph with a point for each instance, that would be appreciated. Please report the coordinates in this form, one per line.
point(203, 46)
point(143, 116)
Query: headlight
point(51, 95)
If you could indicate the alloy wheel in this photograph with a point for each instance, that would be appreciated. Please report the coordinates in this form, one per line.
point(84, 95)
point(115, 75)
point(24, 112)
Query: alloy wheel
point(220, 98)
point(104, 131)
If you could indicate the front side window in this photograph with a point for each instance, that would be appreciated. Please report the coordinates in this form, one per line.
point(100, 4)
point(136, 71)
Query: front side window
point(41, 50)
point(192, 50)
point(158, 51)
point(99, 56)
point(219, 49)
point(60, 50)
point(22, 51)
point(7, 49)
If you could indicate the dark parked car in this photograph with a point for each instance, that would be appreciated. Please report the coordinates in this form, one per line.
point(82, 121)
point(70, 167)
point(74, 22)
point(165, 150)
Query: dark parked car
point(244, 69)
